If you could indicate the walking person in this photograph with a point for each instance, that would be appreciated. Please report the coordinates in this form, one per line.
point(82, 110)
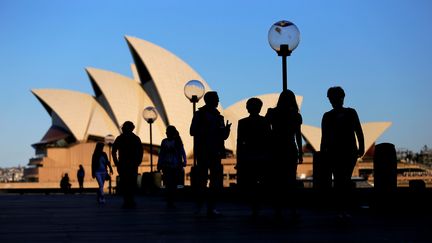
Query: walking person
point(100, 166)
point(209, 131)
point(172, 160)
point(285, 120)
point(80, 177)
point(253, 134)
point(127, 153)
point(341, 132)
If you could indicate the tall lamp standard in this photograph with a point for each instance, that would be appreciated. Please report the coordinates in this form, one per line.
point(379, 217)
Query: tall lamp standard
point(150, 115)
point(109, 140)
point(194, 91)
point(284, 37)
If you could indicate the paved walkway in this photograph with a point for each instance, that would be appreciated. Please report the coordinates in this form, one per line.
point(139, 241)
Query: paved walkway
point(77, 218)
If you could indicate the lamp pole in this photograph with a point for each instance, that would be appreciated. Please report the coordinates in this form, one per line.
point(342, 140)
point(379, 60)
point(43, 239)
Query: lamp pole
point(150, 115)
point(284, 37)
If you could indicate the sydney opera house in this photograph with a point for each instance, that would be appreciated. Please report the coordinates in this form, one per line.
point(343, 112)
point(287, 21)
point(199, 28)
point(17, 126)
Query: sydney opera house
point(79, 120)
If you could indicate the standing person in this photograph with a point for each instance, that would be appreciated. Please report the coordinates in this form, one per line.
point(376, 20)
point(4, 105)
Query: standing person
point(252, 139)
point(172, 159)
point(65, 184)
point(100, 163)
point(127, 153)
point(285, 121)
point(341, 130)
point(210, 132)
point(80, 177)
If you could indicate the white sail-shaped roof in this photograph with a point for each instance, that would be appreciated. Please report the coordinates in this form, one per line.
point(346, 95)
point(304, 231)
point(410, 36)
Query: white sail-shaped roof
point(165, 85)
point(238, 111)
point(127, 99)
point(80, 112)
point(371, 132)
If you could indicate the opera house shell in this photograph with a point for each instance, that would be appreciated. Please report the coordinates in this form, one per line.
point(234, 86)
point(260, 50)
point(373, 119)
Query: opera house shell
point(79, 120)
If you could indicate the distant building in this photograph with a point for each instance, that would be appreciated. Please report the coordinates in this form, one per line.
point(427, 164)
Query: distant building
point(79, 120)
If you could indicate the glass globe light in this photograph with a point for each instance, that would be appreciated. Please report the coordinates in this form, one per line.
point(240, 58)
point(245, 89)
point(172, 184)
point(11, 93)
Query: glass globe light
point(284, 33)
point(194, 90)
point(150, 114)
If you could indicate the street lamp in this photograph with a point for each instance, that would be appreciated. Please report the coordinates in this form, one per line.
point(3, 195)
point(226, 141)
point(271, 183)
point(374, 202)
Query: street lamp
point(150, 115)
point(284, 37)
point(109, 140)
point(194, 91)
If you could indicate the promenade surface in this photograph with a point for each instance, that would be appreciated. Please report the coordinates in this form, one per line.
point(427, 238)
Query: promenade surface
point(78, 218)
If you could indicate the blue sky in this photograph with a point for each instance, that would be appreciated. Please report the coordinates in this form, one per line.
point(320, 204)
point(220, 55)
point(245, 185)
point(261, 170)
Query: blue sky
point(380, 52)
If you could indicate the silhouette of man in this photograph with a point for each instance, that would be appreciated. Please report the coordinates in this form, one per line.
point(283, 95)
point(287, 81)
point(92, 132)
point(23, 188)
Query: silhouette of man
point(341, 130)
point(209, 131)
point(127, 153)
point(80, 177)
point(252, 146)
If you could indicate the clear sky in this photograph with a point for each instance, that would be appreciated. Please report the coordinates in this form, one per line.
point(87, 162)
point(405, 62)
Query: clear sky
point(380, 52)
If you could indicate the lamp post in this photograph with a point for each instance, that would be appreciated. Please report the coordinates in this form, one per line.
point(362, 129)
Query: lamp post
point(284, 37)
point(150, 115)
point(109, 140)
point(194, 91)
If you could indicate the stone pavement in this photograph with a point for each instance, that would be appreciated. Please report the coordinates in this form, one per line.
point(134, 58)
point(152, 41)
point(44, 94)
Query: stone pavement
point(78, 218)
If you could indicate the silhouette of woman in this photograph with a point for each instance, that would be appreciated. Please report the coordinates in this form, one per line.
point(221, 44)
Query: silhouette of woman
point(172, 159)
point(100, 163)
point(285, 121)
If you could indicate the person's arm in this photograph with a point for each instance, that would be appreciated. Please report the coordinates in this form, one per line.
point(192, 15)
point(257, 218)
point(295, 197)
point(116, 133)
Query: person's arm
point(323, 146)
point(359, 134)
point(227, 129)
point(140, 151)
point(183, 153)
point(108, 164)
point(114, 152)
point(193, 130)
point(299, 140)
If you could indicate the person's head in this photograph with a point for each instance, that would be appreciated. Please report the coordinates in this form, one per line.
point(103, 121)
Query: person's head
point(287, 101)
point(172, 132)
point(66, 175)
point(128, 127)
point(98, 148)
point(336, 96)
point(211, 99)
point(254, 105)
point(81, 167)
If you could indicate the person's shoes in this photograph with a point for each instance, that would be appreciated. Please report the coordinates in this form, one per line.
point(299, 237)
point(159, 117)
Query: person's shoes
point(213, 213)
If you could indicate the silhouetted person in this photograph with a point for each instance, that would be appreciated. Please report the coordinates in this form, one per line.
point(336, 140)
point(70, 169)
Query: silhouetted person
point(210, 132)
point(172, 159)
point(285, 121)
point(252, 150)
point(80, 177)
point(341, 130)
point(65, 184)
point(100, 165)
point(127, 152)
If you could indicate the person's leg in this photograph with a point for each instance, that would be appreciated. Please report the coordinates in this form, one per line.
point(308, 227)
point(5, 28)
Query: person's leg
point(100, 178)
point(216, 184)
point(201, 178)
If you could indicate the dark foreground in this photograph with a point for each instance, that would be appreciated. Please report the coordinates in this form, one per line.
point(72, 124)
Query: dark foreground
point(77, 218)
